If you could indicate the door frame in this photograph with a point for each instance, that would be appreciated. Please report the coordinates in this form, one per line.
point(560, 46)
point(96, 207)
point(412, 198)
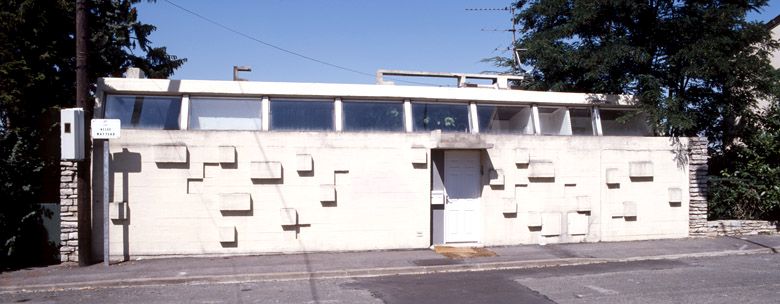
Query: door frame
point(479, 219)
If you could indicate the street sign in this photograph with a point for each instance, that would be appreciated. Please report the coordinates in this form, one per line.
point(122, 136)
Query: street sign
point(105, 128)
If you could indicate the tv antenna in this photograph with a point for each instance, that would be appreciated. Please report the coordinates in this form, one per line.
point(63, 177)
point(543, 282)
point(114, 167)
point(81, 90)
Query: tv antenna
point(515, 51)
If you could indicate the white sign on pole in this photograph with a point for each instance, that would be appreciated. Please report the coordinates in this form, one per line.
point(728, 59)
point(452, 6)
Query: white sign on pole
point(105, 128)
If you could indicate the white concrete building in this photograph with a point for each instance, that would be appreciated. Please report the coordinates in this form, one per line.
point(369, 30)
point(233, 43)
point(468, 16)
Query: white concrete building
point(236, 167)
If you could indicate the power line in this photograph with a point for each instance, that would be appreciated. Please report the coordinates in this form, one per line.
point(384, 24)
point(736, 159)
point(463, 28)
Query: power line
point(488, 9)
point(242, 34)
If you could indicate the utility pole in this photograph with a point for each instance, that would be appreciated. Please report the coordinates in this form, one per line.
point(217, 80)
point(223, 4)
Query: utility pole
point(82, 101)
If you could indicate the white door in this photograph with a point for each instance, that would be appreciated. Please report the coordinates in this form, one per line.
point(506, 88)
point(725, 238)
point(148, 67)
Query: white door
point(461, 209)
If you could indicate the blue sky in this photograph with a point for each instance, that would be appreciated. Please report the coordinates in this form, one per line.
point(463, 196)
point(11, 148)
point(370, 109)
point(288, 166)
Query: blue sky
point(438, 36)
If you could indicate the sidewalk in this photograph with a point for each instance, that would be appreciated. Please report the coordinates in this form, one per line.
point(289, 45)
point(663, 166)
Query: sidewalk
point(188, 270)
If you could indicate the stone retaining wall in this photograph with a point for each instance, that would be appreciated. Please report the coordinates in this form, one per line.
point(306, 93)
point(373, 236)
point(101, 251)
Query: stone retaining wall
point(741, 227)
point(698, 176)
point(69, 213)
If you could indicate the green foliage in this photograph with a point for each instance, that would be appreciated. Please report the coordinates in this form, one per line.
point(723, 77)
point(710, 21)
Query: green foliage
point(37, 78)
point(748, 186)
point(696, 67)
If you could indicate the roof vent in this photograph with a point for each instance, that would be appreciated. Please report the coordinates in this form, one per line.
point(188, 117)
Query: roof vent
point(133, 72)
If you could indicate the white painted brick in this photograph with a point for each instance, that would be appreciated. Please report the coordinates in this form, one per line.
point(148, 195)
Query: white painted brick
point(227, 234)
point(629, 209)
point(583, 203)
point(288, 216)
point(235, 201)
point(541, 169)
point(577, 224)
point(170, 154)
point(327, 193)
point(613, 176)
point(304, 162)
point(419, 156)
point(497, 177)
point(522, 156)
point(675, 195)
point(227, 154)
point(118, 211)
point(640, 169)
point(509, 205)
point(534, 219)
point(196, 170)
point(551, 224)
point(266, 170)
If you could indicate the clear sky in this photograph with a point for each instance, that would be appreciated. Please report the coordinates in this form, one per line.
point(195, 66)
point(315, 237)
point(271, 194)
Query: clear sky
point(362, 35)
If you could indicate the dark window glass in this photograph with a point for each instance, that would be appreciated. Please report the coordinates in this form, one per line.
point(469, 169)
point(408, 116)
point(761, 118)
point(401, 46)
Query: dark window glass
point(144, 112)
point(581, 122)
point(500, 119)
point(624, 123)
point(445, 117)
point(373, 116)
point(289, 114)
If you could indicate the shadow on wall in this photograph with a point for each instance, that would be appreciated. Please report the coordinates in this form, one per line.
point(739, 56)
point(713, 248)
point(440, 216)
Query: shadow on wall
point(680, 152)
point(124, 162)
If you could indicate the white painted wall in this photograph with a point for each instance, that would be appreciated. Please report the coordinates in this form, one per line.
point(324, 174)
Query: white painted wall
point(580, 170)
point(382, 199)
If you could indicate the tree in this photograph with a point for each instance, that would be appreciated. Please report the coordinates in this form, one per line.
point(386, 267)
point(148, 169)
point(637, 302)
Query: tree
point(747, 181)
point(37, 64)
point(696, 67)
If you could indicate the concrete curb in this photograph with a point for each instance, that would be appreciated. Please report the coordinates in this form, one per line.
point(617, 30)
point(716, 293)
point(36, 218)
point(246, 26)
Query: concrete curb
point(357, 273)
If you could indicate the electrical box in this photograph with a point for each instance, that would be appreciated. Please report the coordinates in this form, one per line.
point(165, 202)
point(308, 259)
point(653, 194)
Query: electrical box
point(437, 197)
point(72, 134)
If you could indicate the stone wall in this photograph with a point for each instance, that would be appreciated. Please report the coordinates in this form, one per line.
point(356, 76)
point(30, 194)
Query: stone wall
point(697, 170)
point(68, 212)
point(742, 227)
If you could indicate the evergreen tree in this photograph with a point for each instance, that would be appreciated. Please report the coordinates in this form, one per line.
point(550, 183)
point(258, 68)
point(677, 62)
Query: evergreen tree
point(37, 78)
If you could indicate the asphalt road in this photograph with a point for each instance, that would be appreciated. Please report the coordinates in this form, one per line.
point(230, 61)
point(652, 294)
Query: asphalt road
point(730, 279)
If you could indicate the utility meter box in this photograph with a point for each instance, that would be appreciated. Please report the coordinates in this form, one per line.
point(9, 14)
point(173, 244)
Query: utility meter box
point(72, 134)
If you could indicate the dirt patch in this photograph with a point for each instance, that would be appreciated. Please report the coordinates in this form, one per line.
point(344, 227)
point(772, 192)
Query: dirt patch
point(463, 252)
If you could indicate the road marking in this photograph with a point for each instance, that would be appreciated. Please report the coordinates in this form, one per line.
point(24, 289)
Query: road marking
point(743, 247)
point(602, 290)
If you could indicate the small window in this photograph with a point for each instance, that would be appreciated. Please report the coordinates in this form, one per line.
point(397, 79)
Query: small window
point(224, 114)
point(581, 122)
point(445, 117)
point(373, 116)
point(298, 114)
point(505, 119)
point(623, 123)
point(144, 112)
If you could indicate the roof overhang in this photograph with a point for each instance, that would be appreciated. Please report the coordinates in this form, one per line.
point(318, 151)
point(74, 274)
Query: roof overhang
point(352, 91)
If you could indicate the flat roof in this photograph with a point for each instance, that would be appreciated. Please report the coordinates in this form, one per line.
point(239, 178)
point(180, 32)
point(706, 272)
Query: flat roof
point(351, 91)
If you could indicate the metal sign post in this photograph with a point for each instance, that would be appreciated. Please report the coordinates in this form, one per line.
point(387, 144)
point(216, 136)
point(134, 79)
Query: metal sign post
point(103, 130)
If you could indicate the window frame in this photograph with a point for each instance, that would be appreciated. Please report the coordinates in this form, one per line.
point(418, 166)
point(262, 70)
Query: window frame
point(129, 125)
point(193, 99)
point(400, 103)
point(273, 100)
point(530, 123)
point(465, 105)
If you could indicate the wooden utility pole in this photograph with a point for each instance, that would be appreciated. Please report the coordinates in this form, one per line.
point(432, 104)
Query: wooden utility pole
point(83, 101)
